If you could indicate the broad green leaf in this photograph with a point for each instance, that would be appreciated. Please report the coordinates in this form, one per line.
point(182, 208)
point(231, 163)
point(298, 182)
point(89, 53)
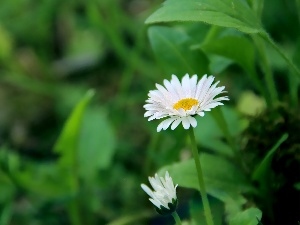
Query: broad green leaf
point(172, 48)
point(226, 13)
point(196, 217)
point(250, 216)
point(240, 50)
point(196, 206)
point(222, 123)
point(67, 143)
point(262, 171)
point(236, 48)
point(97, 142)
point(224, 181)
point(218, 63)
point(209, 134)
point(257, 6)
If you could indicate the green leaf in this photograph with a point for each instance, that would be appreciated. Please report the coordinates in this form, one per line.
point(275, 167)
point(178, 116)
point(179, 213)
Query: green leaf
point(240, 50)
point(224, 181)
point(261, 173)
point(237, 48)
point(250, 216)
point(97, 142)
point(257, 6)
point(67, 143)
point(172, 48)
point(196, 206)
point(226, 13)
point(218, 64)
point(209, 134)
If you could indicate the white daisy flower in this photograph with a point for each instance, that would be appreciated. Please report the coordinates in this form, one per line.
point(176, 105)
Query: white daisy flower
point(181, 101)
point(164, 195)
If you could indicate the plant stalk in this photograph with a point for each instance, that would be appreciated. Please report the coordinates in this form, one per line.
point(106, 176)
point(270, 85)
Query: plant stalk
point(207, 211)
point(266, 68)
point(176, 218)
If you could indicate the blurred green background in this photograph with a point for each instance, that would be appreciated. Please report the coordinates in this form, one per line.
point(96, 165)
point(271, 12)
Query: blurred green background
point(74, 76)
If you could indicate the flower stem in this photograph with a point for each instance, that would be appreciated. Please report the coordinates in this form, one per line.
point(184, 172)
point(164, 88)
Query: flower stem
point(203, 194)
point(176, 218)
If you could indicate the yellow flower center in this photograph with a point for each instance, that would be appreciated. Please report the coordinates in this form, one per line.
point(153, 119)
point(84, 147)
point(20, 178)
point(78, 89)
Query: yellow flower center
point(186, 104)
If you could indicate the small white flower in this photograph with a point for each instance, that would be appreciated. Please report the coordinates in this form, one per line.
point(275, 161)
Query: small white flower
point(181, 101)
point(164, 195)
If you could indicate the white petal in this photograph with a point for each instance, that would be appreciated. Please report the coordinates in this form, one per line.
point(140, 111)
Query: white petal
point(161, 88)
point(160, 126)
point(186, 85)
point(149, 113)
point(152, 117)
point(164, 190)
point(200, 113)
point(167, 175)
point(193, 85)
point(182, 112)
point(211, 105)
point(155, 202)
point(171, 89)
point(147, 190)
point(176, 123)
point(200, 85)
point(177, 85)
point(186, 123)
point(205, 87)
point(168, 123)
point(192, 121)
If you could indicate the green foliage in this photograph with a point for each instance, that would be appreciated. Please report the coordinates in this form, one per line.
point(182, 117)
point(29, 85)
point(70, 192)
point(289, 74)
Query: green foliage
point(262, 173)
point(224, 182)
point(216, 129)
point(216, 12)
point(180, 58)
point(67, 143)
point(250, 216)
point(71, 156)
point(219, 179)
point(237, 48)
point(96, 144)
point(198, 218)
point(240, 50)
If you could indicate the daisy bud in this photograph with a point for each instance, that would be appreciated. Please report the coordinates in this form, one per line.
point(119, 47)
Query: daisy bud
point(164, 195)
